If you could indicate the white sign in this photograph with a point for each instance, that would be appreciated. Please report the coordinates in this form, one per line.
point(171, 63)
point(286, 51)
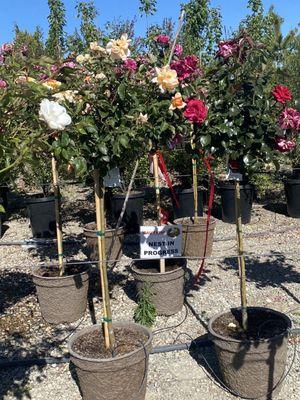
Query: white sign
point(160, 241)
point(113, 178)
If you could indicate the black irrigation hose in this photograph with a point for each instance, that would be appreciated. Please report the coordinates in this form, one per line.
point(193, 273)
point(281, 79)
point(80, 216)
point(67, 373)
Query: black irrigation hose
point(43, 361)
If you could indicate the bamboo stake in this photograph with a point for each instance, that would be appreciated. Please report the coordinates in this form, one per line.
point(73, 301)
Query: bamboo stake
point(100, 222)
point(162, 264)
point(195, 184)
point(241, 258)
point(57, 202)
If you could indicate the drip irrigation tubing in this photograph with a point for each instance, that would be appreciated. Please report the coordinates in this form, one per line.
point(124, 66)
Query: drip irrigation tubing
point(43, 361)
point(50, 242)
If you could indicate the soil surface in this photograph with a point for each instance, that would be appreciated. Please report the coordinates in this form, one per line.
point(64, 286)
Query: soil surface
point(91, 345)
point(153, 266)
point(261, 325)
point(49, 272)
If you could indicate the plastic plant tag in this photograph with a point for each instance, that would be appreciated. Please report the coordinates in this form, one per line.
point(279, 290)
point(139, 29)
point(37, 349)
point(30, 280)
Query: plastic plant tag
point(160, 241)
point(113, 178)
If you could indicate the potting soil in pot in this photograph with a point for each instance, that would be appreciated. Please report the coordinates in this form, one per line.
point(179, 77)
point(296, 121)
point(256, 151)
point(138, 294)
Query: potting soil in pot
point(69, 270)
point(261, 325)
point(92, 344)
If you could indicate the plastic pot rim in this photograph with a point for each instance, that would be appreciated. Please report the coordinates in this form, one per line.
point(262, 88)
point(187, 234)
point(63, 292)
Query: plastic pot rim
point(108, 360)
point(229, 339)
point(52, 278)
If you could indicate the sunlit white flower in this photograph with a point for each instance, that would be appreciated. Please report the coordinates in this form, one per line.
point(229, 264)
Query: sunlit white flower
point(119, 49)
point(83, 58)
point(142, 119)
point(67, 95)
point(100, 77)
point(166, 78)
point(54, 115)
point(94, 46)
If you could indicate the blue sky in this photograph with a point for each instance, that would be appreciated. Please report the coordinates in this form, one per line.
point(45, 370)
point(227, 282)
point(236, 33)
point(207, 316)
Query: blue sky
point(29, 13)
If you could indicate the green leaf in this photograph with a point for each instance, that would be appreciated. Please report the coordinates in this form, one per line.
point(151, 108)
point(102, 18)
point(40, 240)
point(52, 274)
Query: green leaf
point(64, 139)
point(205, 140)
point(122, 91)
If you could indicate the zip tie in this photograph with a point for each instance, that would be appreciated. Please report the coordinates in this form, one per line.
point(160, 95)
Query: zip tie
point(100, 233)
point(105, 319)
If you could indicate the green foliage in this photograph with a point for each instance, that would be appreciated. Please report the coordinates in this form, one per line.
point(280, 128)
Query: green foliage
point(148, 7)
point(2, 210)
point(145, 313)
point(33, 42)
point(55, 44)
point(114, 29)
point(202, 27)
point(88, 13)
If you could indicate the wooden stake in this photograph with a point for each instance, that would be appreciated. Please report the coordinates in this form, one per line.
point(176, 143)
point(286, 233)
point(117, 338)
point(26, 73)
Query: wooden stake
point(162, 264)
point(100, 223)
point(57, 202)
point(241, 258)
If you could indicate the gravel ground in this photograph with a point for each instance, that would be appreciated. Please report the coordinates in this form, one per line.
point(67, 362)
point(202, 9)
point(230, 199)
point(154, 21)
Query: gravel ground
point(273, 281)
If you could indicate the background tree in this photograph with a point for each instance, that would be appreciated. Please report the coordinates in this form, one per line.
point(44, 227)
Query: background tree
point(55, 44)
point(202, 27)
point(30, 43)
point(148, 7)
point(87, 13)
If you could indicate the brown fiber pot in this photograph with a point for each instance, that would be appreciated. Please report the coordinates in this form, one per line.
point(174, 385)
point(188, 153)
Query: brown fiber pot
point(92, 242)
point(62, 299)
point(167, 288)
point(193, 236)
point(252, 369)
point(119, 378)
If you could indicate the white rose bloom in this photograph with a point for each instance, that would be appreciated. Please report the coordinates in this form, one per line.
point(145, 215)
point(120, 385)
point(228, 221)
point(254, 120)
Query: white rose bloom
point(100, 77)
point(94, 46)
point(119, 49)
point(82, 58)
point(67, 95)
point(142, 119)
point(54, 115)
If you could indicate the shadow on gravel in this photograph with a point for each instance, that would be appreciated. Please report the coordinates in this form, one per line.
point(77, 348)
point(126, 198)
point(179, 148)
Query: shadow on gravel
point(275, 271)
point(278, 208)
point(14, 286)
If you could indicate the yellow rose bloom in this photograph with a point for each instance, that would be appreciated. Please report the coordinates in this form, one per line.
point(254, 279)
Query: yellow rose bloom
point(119, 49)
point(166, 78)
point(83, 58)
point(52, 84)
point(177, 102)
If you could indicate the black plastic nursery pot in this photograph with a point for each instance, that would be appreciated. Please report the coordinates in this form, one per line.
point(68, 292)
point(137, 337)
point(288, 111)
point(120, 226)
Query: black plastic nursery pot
point(113, 242)
point(62, 299)
point(167, 288)
point(186, 202)
point(133, 216)
point(41, 212)
point(227, 191)
point(292, 193)
point(252, 366)
point(122, 377)
point(296, 172)
point(4, 190)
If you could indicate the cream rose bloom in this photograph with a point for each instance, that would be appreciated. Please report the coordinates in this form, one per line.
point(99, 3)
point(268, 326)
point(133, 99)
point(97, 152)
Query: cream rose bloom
point(67, 95)
point(94, 46)
point(100, 76)
point(83, 58)
point(142, 119)
point(119, 49)
point(52, 84)
point(54, 115)
point(166, 78)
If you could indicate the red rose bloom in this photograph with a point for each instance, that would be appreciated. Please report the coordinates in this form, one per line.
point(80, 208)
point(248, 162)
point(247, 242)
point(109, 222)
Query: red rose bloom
point(281, 94)
point(196, 111)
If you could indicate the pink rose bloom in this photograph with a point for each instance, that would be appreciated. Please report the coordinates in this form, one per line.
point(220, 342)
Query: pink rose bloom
point(24, 50)
point(38, 67)
point(69, 64)
point(186, 67)
point(54, 68)
point(163, 39)
point(177, 139)
point(130, 65)
point(3, 84)
point(2, 59)
point(178, 50)
point(42, 77)
point(227, 48)
point(196, 111)
point(290, 119)
point(7, 48)
point(284, 145)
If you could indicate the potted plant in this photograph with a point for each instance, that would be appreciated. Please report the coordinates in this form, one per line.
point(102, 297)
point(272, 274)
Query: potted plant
point(111, 357)
point(250, 342)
